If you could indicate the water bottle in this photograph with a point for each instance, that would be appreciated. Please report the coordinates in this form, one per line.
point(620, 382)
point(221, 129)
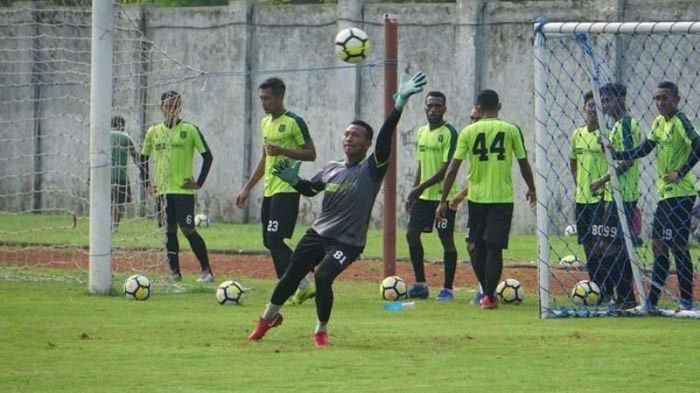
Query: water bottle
point(400, 306)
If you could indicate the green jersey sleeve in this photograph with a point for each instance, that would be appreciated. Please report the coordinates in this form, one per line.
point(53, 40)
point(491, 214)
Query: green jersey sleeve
point(450, 143)
point(519, 144)
point(462, 149)
point(147, 148)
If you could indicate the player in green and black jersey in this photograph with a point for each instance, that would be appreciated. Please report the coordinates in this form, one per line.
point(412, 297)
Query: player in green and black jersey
point(677, 146)
point(489, 145)
point(285, 135)
point(612, 268)
point(171, 146)
point(435, 146)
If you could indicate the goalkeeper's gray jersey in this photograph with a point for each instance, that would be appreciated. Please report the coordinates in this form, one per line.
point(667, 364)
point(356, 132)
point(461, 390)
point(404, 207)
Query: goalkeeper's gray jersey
point(350, 191)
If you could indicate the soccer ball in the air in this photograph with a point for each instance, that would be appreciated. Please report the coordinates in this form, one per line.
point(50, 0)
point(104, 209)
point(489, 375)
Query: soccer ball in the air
point(585, 293)
point(352, 45)
point(393, 288)
point(570, 262)
point(230, 292)
point(570, 230)
point(510, 291)
point(201, 220)
point(137, 287)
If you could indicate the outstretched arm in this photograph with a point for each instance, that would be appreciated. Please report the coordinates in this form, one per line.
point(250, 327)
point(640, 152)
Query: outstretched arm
point(289, 173)
point(407, 88)
point(640, 151)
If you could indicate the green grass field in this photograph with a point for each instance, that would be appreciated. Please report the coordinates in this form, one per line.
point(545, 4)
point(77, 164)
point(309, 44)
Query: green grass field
point(56, 338)
point(226, 237)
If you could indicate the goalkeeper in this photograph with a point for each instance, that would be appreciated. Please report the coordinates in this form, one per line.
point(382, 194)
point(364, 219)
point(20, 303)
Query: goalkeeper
point(678, 150)
point(337, 237)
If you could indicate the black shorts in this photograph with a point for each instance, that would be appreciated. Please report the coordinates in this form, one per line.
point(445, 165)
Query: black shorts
point(672, 221)
point(587, 214)
point(176, 209)
point(121, 193)
point(608, 226)
point(313, 248)
point(423, 218)
point(278, 214)
point(489, 222)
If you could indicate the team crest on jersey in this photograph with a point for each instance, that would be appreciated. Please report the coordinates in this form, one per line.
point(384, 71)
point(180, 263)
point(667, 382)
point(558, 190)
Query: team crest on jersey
point(183, 134)
point(281, 128)
point(440, 138)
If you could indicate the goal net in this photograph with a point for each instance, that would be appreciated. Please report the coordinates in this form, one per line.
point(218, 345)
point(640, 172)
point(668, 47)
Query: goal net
point(580, 238)
point(45, 55)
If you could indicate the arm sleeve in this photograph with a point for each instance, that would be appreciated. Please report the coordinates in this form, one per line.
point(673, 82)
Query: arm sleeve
point(147, 148)
point(382, 151)
point(640, 151)
point(449, 152)
point(311, 187)
point(694, 139)
point(380, 158)
point(207, 160)
point(302, 135)
point(519, 144)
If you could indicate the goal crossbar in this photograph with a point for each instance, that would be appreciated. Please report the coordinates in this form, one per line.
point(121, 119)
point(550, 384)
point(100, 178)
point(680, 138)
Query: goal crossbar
point(618, 27)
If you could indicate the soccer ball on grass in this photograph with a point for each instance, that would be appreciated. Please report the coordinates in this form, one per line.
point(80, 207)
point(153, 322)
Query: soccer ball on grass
point(137, 287)
point(201, 221)
point(585, 293)
point(230, 293)
point(570, 262)
point(352, 45)
point(393, 288)
point(510, 291)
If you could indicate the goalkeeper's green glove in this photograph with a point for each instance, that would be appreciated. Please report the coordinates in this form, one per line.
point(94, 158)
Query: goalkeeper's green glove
point(408, 88)
point(287, 171)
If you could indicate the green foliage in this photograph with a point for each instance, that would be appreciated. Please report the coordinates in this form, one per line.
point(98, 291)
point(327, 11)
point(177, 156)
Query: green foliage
point(55, 338)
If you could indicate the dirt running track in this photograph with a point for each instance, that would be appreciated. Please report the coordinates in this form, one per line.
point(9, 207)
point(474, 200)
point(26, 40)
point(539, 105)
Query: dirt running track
point(259, 266)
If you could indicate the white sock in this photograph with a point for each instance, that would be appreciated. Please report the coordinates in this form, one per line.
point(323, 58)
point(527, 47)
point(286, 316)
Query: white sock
point(304, 283)
point(321, 327)
point(271, 311)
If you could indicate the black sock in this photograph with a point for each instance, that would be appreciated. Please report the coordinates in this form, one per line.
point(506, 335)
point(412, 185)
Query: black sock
point(172, 248)
point(449, 261)
point(478, 260)
point(324, 275)
point(280, 252)
point(658, 278)
point(684, 266)
point(199, 248)
point(494, 268)
point(595, 268)
point(417, 255)
point(624, 281)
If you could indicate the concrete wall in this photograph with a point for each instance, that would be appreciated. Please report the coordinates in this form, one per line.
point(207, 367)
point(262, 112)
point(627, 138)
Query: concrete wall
point(216, 57)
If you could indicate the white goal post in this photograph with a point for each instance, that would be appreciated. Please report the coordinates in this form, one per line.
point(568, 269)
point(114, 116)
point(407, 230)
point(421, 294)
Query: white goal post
point(570, 59)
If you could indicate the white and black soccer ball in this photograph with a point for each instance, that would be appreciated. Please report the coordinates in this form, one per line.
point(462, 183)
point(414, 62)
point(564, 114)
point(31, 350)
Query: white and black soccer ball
point(585, 293)
point(137, 287)
point(230, 293)
point(201, 221)
point(510, 291)
point(570, 230)
point(352, 45)
point(393, 288)
point(570, 262)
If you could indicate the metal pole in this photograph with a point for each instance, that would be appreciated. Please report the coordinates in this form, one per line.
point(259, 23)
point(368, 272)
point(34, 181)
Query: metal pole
point(391, 51)
point(100, 147)
point(541, 174)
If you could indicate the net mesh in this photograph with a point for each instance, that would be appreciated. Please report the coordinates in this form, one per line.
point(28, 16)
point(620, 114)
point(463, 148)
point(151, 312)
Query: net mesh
point(44, 148)
point(579, 232)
